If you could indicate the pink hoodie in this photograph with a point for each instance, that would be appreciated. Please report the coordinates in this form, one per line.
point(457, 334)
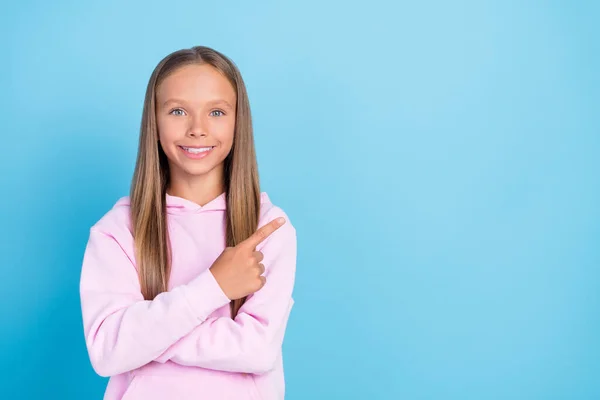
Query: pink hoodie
point(183, 344)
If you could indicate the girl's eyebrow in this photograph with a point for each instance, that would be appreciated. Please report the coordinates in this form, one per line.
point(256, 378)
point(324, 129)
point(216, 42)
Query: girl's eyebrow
point(217, 101)
point(221, 101)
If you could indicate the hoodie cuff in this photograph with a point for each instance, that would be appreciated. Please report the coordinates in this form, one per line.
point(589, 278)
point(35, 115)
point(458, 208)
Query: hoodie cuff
point(205, 295)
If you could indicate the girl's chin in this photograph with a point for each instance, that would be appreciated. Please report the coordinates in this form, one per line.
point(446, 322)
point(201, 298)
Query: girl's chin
point(191, 170)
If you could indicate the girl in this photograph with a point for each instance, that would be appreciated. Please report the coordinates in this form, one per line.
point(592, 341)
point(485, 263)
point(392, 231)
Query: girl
point(186, 284)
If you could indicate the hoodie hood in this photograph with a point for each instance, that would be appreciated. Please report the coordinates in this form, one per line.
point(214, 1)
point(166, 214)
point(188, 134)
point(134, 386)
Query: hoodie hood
point(179, 205)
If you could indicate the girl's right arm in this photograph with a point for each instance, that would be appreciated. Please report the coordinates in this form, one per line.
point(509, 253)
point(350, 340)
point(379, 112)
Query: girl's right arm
point(122, 330)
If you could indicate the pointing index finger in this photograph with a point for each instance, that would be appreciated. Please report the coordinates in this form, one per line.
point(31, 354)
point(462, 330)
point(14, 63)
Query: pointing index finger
point(264, 232)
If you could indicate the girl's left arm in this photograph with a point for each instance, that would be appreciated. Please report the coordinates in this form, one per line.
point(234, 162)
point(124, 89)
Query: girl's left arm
point(252, 341)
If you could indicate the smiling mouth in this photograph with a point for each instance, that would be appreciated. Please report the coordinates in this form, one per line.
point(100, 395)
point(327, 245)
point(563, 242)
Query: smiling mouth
point(197, 150)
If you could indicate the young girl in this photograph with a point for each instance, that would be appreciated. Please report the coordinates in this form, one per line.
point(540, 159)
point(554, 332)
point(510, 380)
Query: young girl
point(186, 284)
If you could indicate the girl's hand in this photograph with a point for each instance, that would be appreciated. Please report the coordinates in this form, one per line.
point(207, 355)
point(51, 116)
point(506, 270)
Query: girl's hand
point(238, 269)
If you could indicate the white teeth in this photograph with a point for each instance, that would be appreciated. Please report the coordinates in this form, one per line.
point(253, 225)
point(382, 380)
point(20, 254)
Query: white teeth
point(196, 151)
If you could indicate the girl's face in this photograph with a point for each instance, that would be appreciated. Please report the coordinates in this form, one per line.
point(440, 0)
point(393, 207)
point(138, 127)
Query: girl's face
point(195, 111)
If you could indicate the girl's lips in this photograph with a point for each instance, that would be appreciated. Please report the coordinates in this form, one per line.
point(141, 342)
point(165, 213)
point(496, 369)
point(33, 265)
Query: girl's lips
point(196, 153)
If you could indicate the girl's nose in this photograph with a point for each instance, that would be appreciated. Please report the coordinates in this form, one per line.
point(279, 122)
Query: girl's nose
point(197, 128)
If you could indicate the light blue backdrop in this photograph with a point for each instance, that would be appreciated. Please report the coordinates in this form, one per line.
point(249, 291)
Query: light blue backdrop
point(440, 161)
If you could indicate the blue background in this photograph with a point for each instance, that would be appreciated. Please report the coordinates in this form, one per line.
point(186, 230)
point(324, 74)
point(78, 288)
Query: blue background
point(440, 161)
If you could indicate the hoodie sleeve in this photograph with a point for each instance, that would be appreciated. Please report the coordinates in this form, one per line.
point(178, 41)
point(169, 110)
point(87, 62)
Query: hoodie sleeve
point(251, 343)
point(122, 330)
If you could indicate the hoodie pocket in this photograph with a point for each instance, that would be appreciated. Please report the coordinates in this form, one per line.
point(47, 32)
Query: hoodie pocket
point(255, 392)
point(186, 386)
point(130, 388)
point(152, 387)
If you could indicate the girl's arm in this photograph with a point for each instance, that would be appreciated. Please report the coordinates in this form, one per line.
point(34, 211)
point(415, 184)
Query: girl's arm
point(251, 342)
point(122, 330)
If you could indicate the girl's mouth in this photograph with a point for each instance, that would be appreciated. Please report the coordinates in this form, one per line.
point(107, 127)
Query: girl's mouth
point(196, 152)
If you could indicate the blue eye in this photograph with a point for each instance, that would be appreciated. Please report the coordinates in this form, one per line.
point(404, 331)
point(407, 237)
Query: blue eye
point(222, 113)
point(176, 109)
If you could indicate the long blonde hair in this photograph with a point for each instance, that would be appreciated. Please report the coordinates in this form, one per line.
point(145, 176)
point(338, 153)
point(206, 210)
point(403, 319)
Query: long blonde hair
point(151, 176)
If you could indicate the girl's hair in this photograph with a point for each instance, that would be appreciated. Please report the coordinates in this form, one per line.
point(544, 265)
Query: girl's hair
point(151, 176)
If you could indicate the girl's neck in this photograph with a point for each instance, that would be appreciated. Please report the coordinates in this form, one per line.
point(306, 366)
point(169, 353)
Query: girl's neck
point(199, 189)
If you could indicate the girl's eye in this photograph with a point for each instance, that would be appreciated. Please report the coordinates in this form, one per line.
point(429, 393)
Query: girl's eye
point(177, 109)
point(218, 111)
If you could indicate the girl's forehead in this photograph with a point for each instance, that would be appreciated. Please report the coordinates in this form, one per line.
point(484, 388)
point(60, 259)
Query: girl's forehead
point(196, 78)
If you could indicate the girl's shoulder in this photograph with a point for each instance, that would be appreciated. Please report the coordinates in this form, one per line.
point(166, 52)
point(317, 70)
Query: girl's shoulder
point(270, 211)
point(117, 219)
